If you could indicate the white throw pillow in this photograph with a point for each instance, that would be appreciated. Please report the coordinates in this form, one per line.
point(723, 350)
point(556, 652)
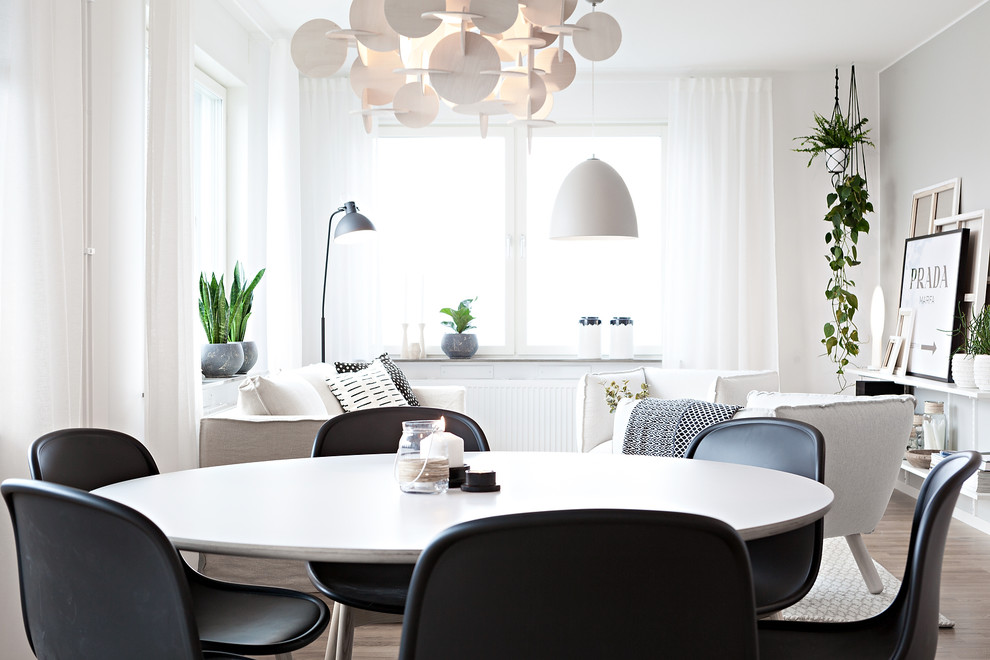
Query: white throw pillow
point(368, 388)
point(284, 394)
point(597, 422)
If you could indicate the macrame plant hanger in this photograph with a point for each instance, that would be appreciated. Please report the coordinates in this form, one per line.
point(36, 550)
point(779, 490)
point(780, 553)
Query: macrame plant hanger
point(837, 113)
point(856, 161)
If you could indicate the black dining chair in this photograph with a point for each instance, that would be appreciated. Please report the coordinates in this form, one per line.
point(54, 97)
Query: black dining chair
point(362, 589)
point(230, 617)
point(908, 628)
point(582, 584)
point(97, 579)
point(785, 565)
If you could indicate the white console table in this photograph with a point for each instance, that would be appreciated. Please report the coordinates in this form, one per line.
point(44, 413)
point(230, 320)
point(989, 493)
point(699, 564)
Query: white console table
point(968, 414)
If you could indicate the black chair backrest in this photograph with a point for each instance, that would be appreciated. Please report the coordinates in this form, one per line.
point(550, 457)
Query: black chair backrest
point(97, 579)
point(779, 444)
point(377, 430)
point(785, 566)
point(917, 603)
point(89, 458)
point(582, 584)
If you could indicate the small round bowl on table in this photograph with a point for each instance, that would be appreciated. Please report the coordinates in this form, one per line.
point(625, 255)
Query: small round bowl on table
point(920, 458)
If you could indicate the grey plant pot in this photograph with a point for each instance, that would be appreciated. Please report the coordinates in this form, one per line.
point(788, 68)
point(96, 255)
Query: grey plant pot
point(250, 356)
point(221, 360)
point(459, 345)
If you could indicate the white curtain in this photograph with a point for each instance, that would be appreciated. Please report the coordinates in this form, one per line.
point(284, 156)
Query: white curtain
point(40, 248)
point(284, 234)
point(173, 395)
point(337, 167)
point(719, 282)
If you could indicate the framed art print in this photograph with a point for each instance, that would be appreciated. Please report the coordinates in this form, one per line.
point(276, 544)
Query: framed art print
point(930, 285)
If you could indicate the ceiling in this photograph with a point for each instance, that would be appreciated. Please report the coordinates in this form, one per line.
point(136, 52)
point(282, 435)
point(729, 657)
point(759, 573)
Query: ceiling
point(716, 35)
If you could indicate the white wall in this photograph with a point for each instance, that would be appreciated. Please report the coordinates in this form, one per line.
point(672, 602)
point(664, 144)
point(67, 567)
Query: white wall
point(933, 112)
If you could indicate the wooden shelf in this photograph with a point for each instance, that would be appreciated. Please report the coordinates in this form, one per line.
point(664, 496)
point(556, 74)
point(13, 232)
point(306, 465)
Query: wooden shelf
point(924, 384)
point(972, 494)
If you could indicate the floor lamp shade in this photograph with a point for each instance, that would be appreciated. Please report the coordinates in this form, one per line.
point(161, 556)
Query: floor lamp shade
point(353, 222)
point(593, 202)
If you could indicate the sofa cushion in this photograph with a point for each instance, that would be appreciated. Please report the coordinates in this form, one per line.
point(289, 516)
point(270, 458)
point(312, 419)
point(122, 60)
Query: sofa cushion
point(733, 389)
point(368, 388)
point(281, 394)
point(398, 378)
point(316, 375)
point(595, 426)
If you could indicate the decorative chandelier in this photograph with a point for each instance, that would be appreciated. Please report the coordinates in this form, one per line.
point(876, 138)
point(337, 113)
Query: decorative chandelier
point(481, 57)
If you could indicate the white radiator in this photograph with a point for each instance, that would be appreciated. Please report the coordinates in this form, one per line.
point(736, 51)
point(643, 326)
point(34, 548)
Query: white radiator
point(525, 415)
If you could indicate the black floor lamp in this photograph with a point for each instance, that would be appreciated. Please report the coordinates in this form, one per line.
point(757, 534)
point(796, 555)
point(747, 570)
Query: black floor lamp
point(354, 225)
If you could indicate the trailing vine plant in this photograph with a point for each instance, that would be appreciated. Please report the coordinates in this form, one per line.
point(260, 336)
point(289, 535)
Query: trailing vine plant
point(846, 215)
point(848, 206)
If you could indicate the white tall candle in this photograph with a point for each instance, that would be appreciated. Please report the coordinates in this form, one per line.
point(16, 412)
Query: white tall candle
point(455, 448)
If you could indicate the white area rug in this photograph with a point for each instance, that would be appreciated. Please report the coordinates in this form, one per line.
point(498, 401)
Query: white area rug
point(840, 594)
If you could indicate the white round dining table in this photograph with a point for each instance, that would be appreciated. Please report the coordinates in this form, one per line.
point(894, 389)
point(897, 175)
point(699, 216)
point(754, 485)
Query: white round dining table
point(350, 508)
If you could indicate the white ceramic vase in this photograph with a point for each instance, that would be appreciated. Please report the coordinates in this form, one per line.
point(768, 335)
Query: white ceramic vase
point(981, 371)
point(963, 374)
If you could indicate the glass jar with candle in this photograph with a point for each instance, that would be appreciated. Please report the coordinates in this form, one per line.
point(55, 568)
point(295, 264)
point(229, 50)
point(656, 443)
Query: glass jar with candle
point(934, 425)
point(421, 464)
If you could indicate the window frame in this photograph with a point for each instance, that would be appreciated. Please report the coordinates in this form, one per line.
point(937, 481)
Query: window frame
point(220, 230)
point(516, 164)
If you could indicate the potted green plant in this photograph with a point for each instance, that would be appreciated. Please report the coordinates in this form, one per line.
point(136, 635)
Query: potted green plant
point(834, 138)
point(978, 345)
point(459, 344)
point(219, 359)
point(963, 357)
point(241, 298)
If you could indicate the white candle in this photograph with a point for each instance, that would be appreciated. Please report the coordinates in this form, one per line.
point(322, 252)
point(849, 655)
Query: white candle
point(455, 448)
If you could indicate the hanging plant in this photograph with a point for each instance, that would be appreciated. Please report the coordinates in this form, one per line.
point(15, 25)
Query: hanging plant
point(833, 134)
point(848, 207)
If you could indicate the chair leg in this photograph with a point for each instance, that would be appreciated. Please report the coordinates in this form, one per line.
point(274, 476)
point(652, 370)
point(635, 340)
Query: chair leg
point(332, 628)
point(865, 562)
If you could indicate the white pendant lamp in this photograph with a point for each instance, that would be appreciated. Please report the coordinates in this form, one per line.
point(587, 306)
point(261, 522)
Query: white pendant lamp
point(593, 202)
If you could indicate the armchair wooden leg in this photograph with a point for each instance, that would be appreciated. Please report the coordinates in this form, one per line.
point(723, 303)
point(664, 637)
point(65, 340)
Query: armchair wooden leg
point(345, 633)
point(865, 563)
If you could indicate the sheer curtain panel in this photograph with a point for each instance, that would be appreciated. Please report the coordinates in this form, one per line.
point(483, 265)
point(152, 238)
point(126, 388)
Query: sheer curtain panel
point(284, 246)
point(337, 166)
point(41, 248)
point(173, 395)
point(719, 283)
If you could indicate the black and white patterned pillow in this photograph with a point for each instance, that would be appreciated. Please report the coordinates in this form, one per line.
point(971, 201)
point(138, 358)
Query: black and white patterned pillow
point(368, 388)
point(398, 378)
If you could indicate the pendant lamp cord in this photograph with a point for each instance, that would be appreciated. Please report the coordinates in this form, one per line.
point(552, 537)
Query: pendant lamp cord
point(593, 127)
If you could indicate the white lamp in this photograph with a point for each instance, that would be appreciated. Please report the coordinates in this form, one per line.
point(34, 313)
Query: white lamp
point(593, 202)
point(876, 326)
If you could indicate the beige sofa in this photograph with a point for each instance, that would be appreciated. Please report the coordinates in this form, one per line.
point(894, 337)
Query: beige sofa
point(293, 405)
point(595, 422)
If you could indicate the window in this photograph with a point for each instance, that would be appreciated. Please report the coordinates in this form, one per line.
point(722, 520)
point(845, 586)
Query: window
point(460, 217)
point(209, 172)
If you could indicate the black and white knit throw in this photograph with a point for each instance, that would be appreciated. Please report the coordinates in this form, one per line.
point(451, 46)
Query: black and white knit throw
point(666, 427)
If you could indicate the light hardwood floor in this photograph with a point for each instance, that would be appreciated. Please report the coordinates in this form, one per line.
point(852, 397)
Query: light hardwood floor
point(965, 590)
